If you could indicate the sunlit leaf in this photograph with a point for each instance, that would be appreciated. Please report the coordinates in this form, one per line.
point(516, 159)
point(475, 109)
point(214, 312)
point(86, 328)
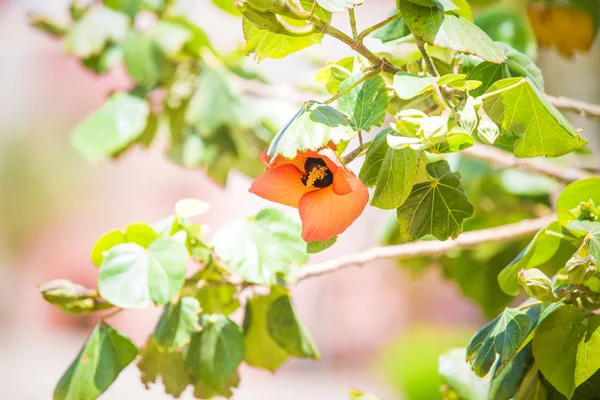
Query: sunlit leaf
point(177, 322)
point(312, 128)
point(265, 44)
point(261, 349)
point(287, 331)
point(392, 31)
point(393, 171)
point(215, 352)
point(105, 354)
point(112, 128)
point(261, 247)
point(524, 112)
point(169, 365)
point(98, 27)
point(408, 86)
point(449, 31)
point(366, 103)
point(437, 207)
point(566, 347)
point(541, 249)
point(503, 336)
point(132, 276)
point(72, 298)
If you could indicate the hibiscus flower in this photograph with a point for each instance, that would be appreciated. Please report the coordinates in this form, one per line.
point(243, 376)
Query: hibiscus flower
point(328, 195)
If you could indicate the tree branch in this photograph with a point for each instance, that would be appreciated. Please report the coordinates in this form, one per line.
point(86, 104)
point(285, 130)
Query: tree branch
point(504, 159)
point(428, 248)
point(576, 106)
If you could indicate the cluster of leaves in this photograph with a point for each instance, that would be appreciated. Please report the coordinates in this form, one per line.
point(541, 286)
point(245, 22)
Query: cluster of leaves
point(440, 85)
point(195, 341)
point(181, 86)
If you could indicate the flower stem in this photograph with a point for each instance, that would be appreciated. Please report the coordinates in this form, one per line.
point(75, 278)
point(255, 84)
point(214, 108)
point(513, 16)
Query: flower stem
point(428, 61)
point(353, 23)
point(373, 28)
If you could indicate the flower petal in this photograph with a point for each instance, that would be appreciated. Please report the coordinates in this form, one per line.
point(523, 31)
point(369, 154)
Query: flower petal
point(325, 214)
point(281, 185)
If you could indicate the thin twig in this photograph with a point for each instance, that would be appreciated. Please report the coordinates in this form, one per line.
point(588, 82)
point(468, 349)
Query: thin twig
point(373, 28)
point(428, 61)
point(501, 158)
point(576, 106)
point(353, 23)
point(428, 248)
point(112, 313)
point(348, 158)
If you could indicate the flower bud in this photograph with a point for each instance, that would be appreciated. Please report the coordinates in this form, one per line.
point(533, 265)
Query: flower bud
point(270, 22)
point(338, 72)
point(408, 122)
point(588, 210)
point(468, 115)
point(537, 284)
point(71, 297)
point(580, 269)
point(487, 130)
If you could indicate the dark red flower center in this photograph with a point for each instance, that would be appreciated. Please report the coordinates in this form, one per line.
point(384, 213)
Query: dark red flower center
point(317, 174)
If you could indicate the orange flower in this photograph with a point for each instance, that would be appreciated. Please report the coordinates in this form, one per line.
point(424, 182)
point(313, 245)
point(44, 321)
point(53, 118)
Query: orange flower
point(329, 196)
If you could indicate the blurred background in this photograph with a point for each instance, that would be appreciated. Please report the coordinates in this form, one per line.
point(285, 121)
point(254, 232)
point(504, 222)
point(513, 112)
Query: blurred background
point(369, 323)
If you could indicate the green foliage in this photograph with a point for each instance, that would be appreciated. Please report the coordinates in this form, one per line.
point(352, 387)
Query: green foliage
point(105, 354)
point(566, 347)
point(318, 246)
point(437, 207)
point(312, 128)
point(364, 103)
point(503, 336)
point(131, 276)
point(530, 121)
point(112, 128)
point(443, 28)
point(72, 298)
point(262, 247)
point(215, 352)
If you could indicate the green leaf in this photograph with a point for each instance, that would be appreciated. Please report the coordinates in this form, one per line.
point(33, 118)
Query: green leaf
point(97, 28)
point(437, 207)
point(217, 297)
point(120, 121)
point(132, 7)
point(456, 140)
point(366, 103)
point(140, 233)
point(261, 350)
point(524, 112)
point(393, 30)
point(502, 336)
point(105, 354)
point(144, 58)
point(532, 387)
point(312, 128)
point(72, 298)
point(171, 36)
point(579, 192)
point(108, 58)
point(505, 385)
point(458, 376)
point(566, 347)
point(203, 391)
point(287, 331)
point(317, 246)
point(396, 170)
point(594, 245)
point(540, 250)
point(131, 276)
point(449, 31)
point(260, 248)
point(265, 44)
point(168, 364)
point(105, 243)
point(336, 6)
point(177, 322)
point(408, 86)
point(215, 352)
point(216, 103)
